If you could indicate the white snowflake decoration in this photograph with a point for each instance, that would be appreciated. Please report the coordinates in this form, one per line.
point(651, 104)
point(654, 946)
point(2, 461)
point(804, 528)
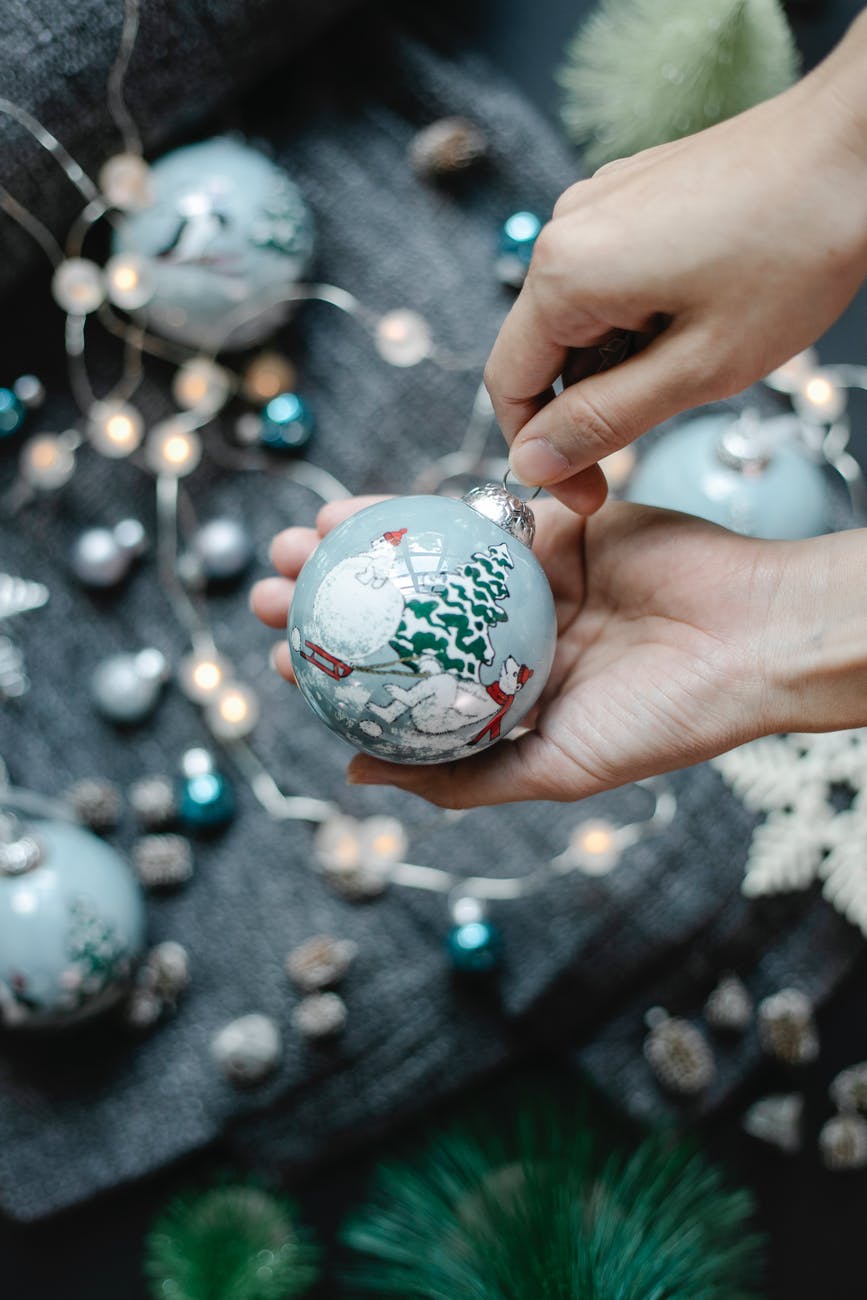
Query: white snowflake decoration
point(804, 837)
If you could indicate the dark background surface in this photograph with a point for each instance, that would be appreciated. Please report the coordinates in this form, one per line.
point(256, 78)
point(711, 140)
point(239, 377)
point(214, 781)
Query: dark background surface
point(814, 1219)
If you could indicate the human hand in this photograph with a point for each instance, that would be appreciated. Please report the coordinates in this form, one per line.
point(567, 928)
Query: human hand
point(677, 640)
point(727, 252)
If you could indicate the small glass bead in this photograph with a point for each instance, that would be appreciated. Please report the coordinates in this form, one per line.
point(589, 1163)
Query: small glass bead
point(12, 413)
point(77, 286)
point(205, 802)
point(474, 947)
point(287, 423)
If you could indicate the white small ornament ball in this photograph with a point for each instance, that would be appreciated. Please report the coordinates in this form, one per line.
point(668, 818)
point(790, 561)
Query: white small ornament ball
point(226, 235)
point(223, 549)
point(126, 687)
point(77, 286)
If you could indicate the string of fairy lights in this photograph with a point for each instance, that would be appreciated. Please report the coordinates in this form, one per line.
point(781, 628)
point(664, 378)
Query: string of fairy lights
point(359, 857)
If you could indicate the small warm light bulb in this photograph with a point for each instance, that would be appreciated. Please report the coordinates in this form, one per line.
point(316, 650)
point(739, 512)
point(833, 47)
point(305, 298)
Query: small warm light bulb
point(403, 338)
point(337, 844)
point(790, 376)
point(173, 450)
point(200, 676)
point(234, 712)
point(125, 180)
point(200, 383)
point(594, 847)
point(345, 850)
point(819, 399)
point(266, 376)
point(47, 461)
point(114, 429)
point(77, 286)
point(128, 281)
point(383, 840)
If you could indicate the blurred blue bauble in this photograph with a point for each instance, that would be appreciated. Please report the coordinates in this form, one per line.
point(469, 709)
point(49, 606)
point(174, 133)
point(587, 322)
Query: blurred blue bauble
point(518, 237)
point(227, 233)
point(474, 947)
point(287, 424)
point(12, 413)
point(422, 629)
point(72, 924)
point(206, 802)
point(749, 475)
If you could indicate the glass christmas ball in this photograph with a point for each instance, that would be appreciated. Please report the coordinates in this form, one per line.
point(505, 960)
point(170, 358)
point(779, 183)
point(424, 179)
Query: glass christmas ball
point(747, 474)
point(72, 924)
point(225, 235)
point(287, 424)
point(12, 412)
point(422, 628)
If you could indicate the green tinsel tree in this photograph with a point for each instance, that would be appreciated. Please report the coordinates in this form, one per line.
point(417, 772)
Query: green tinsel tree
point(537, 1211)
point(233, 1242)
point(640, 72)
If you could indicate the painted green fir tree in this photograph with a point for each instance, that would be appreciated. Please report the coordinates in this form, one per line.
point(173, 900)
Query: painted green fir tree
point(454, 622)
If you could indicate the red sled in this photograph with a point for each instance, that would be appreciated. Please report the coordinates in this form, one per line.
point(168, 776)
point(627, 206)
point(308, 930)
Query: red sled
point(325, 662)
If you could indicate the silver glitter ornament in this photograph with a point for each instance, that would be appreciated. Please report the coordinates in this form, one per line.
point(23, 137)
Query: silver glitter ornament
point(320, 962)
point(320, 1015)
point(729, 1008)
point(848, 1089)
point(153, 801)
point(126, 687)
point(247, 1050)
point(223, 549)
point(96, 802)
point(787, 1029)
point(678, 1054)
point(843, 1142)
point(449, 145)
point(776, 1120)
point(163, 861)
point(102, 557)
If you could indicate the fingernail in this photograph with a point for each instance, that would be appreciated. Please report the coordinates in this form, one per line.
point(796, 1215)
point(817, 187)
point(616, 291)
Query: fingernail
point(536, 462)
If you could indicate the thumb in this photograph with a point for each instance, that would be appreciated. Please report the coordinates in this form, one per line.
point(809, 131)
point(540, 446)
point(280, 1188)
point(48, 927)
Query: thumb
point(529, 767)
point(600, 414)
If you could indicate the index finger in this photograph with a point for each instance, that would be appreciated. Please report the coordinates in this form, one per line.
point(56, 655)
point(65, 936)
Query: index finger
point(523, 364)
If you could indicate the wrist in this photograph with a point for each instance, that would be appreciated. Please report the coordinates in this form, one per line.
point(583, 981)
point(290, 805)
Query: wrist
point(812, 649)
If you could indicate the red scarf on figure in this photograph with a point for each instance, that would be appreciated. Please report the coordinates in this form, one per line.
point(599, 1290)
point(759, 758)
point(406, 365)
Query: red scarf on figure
point(499, 696)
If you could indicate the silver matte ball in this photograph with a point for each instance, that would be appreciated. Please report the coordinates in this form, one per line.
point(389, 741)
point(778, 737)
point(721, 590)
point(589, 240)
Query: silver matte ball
point(126, 688)
point(223, 548)
point(98, 560)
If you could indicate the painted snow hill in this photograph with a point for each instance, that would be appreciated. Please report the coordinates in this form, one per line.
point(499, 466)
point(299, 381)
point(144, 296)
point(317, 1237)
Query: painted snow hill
point(421, 631)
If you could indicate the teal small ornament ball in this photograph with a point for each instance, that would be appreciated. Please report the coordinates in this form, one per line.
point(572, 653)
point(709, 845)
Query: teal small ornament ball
point(287, 424)
point(517, 240)
point(226, 234)
point(474, 947)
point(422, 628)
point(72, 924)
point(206, 801)
point(12, 413)
point(746, 474)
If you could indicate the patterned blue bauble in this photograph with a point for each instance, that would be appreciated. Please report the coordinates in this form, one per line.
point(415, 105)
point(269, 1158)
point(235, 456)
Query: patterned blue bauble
point(12, 413)
point(745, 474)
point(287, 424)
point(226, 234)
point(423, 629)
point(72, 924)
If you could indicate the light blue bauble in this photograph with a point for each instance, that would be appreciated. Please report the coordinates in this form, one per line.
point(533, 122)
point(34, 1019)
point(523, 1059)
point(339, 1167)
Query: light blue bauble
point(422, 630)
point(705, 467)
point(227, 232)
point(72, 928)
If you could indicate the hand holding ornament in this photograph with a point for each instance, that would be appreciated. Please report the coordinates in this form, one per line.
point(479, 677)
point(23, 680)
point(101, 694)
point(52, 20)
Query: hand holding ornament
point(676, 641)
point(726, 252)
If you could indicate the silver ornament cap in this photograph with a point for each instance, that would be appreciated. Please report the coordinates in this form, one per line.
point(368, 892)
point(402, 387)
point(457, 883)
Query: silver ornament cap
point(495, 502)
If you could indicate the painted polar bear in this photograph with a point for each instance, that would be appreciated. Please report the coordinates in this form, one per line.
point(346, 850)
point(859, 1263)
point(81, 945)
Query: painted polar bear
point(440, 703)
